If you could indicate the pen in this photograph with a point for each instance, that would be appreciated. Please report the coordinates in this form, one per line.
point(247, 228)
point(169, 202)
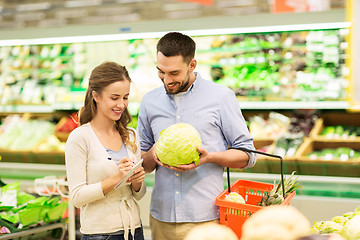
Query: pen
point(109, 158)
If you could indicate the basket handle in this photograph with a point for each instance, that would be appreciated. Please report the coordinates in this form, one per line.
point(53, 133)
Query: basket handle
point(262, 153)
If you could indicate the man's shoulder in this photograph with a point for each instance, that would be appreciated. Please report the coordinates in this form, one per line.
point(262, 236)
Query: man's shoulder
point(154, 93)
point(216, 88)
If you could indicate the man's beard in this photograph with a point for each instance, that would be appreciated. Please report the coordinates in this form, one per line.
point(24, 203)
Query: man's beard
point(182, 87)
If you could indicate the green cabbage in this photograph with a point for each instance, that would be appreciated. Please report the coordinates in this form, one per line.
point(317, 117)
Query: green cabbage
point(351, 230)
point(177, 145)
point(330, 227)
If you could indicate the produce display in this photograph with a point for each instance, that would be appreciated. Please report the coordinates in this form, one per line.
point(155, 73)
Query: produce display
point(66, 125)
point(288, 65)
point(340, 131)
point(21, 133)
point(341, 153)
point(288, 132)
point(20, 210)
point(346, 225)
point(300, 65)
point(273, 126)
point(177, 145)
point(287, 223)
point(38, 74)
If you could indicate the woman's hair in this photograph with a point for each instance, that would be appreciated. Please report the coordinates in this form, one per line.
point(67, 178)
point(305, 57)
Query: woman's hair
point(175, 44)
point(102, 76)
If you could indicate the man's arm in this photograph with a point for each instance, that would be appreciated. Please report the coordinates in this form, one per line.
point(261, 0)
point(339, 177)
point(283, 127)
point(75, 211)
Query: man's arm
point(231, 158)
point(149, 163)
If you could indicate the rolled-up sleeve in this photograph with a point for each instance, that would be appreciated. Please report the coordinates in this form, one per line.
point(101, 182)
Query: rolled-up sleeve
point(143, 128)
point(234, 127)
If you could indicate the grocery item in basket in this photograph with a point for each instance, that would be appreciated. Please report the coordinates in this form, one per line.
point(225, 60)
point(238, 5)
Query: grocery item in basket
point(177, 145)
point(276, 223)
point(275, 195)
point(235, 197)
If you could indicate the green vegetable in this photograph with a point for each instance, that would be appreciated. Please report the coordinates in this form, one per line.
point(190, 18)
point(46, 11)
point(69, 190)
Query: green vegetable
point(351, 230)
point(330, 227)
point(275, 195)
point(235, 197)
point(177, 145)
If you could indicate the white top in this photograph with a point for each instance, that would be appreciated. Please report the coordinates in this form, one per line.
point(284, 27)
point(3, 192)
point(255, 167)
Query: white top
point(87, 165)
point(177, 97)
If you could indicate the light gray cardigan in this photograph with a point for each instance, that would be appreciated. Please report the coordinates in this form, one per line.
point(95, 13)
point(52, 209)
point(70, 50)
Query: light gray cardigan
point(87, 165)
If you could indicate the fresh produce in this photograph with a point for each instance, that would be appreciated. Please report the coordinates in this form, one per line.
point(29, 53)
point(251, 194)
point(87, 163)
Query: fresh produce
point(276, 223)
point(346, 225)
point(22, 133)
point(51, 143)
point(235, 197)
point(288, 144)
point(351, 230)
point(276, 125)
point(341, 153)
point(275, 195)
point(340, 131)
point(68, 123)
point(177, 145)
point(20, 210)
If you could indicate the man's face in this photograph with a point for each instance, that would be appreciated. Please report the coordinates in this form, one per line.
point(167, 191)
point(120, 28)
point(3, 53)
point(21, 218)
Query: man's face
point(174, 73)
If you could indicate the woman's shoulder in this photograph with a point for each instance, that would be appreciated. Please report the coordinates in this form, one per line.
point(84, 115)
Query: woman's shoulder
point(80, 132)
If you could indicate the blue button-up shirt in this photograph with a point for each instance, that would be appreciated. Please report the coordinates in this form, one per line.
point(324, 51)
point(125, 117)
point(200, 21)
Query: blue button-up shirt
point(214, 111)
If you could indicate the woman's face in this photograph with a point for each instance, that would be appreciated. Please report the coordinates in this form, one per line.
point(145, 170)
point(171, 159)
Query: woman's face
point(113, 100)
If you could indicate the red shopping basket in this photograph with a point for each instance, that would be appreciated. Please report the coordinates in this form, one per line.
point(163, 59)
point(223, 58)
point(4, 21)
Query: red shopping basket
point(234, 214)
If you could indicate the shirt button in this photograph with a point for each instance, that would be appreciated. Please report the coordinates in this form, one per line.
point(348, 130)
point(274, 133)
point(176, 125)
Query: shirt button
point(178, 117)
point(177, 174)
point(177, 192)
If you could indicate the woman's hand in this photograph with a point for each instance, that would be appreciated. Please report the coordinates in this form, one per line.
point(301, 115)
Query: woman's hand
point(124, 166)
point(137, 179)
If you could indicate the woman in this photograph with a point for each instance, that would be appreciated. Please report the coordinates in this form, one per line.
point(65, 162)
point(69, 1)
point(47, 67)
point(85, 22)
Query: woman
point(100, 153)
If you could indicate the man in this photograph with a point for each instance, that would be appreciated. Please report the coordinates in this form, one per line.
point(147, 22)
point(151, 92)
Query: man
point(184, 196)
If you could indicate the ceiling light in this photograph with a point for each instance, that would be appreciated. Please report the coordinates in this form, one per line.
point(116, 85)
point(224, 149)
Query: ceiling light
point(199, 32)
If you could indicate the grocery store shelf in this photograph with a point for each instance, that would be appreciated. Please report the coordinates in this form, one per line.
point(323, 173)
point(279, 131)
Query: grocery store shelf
point(30, 171)
point(41, 108)
point(294, 104)
point(67, 106)
point(26, 108)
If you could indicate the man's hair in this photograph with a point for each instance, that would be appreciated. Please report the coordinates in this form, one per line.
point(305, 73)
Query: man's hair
point(175, 44)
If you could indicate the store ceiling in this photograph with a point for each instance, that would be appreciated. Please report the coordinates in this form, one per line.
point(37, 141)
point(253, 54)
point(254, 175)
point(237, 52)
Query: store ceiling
point(53, 13)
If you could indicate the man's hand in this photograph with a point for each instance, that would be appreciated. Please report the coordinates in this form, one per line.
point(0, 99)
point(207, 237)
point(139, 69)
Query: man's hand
point(156, 159)
point(203, 158)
